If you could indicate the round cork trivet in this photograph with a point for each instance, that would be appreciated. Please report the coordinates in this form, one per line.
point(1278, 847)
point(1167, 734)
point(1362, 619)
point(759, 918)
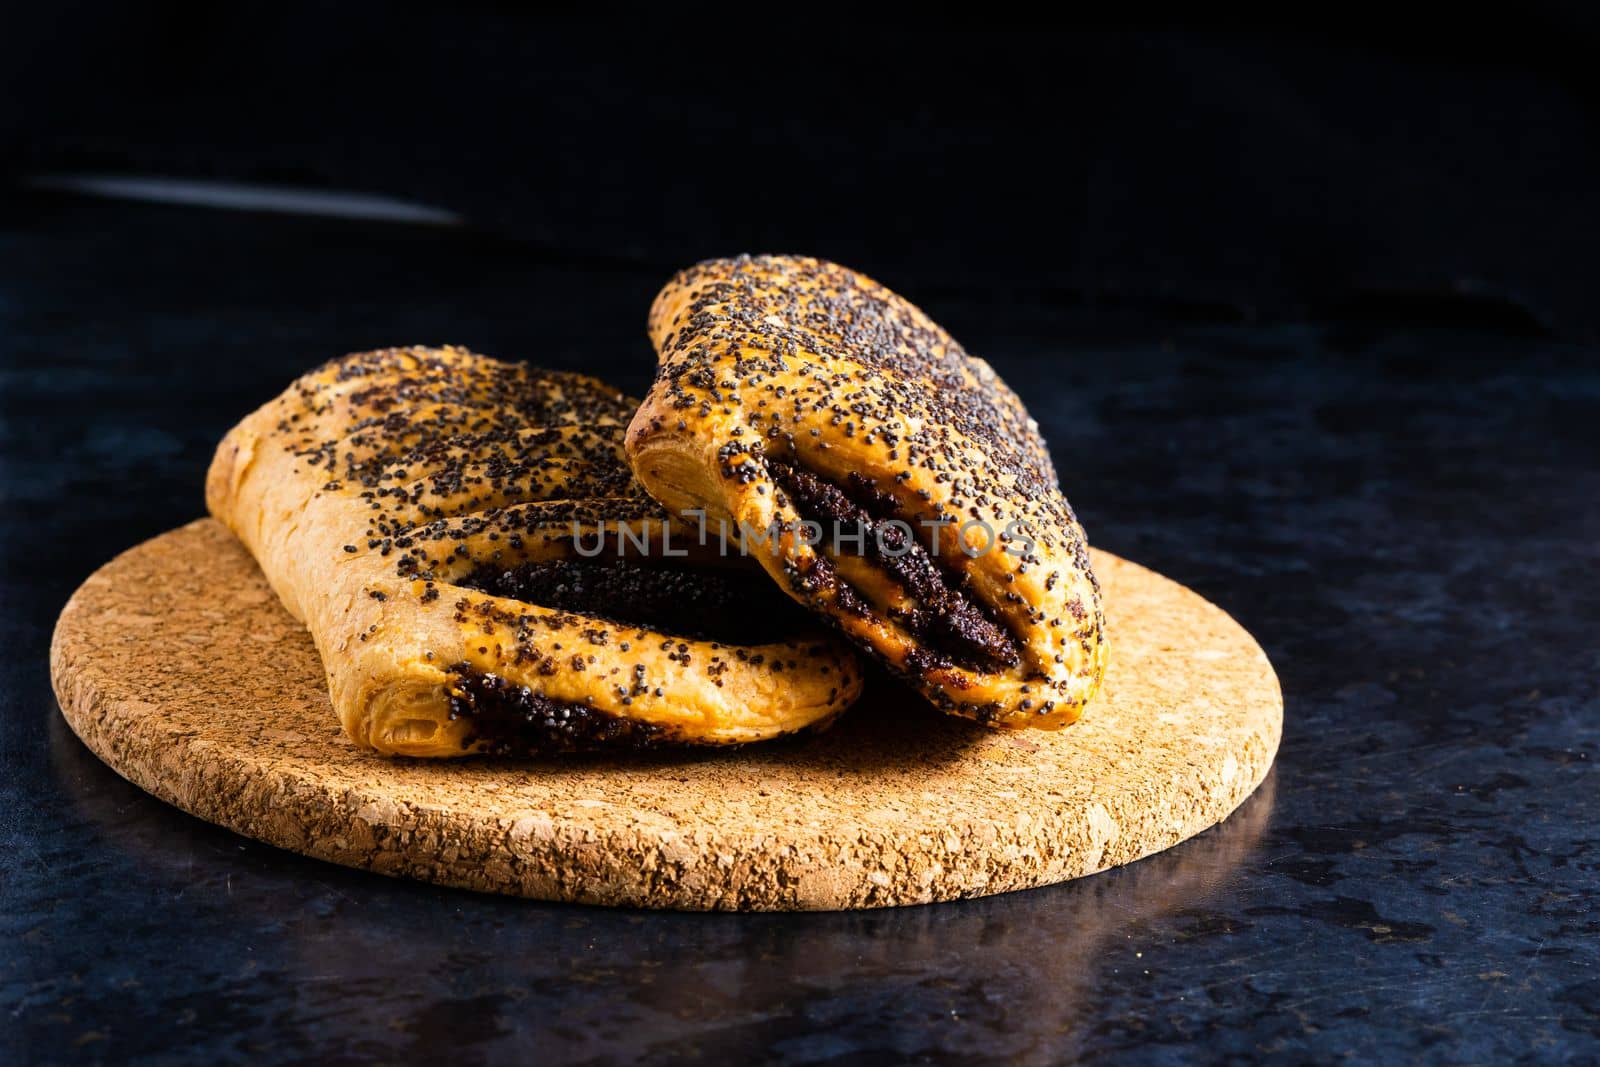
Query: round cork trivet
point(176, 665)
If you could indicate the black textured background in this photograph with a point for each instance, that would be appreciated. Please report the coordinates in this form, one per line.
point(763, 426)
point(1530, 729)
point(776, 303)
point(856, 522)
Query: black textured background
point(1415, 170)
point(1307, 318)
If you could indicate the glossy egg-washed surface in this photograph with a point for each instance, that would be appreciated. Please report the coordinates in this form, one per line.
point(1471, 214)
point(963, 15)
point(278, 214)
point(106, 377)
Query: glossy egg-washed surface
point(448, 525)
point(792, 391)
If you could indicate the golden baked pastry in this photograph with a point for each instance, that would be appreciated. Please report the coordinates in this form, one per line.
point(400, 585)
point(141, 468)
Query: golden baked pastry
point(894, 483)
point(481, 573)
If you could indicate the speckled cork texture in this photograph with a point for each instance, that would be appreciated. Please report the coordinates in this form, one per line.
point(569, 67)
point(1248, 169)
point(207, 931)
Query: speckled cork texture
point(176, 665)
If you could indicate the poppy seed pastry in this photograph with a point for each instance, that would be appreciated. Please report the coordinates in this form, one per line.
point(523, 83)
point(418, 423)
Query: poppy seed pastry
point(895, 484)
point(481, 573)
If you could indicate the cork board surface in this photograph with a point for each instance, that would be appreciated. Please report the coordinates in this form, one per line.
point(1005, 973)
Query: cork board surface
point(175, 664)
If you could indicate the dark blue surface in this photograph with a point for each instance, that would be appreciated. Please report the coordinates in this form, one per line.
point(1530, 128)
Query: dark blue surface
point(1408, 519)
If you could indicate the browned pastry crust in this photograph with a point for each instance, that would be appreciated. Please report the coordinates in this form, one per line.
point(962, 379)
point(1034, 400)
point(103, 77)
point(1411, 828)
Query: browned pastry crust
point(791, 390)
point(447, 527)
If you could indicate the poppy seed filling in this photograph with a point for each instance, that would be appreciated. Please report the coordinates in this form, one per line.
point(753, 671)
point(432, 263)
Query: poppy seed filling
point(953, 626)
point(707, 603)
point(513, 720)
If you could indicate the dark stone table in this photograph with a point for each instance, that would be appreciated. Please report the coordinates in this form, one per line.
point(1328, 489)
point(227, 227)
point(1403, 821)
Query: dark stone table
point(1404, 512)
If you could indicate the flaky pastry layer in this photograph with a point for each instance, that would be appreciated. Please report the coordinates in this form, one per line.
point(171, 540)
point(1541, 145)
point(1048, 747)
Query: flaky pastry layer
point(792, 392)
point(375, 488)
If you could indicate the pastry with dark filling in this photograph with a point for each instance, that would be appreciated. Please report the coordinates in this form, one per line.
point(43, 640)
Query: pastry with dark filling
point(481, 572)
point(885, 478)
